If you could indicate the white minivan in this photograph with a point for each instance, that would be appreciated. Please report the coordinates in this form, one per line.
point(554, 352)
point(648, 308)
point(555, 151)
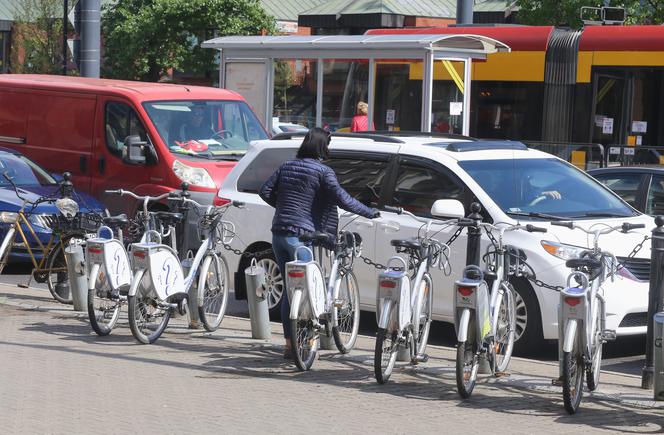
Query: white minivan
point(510, 181)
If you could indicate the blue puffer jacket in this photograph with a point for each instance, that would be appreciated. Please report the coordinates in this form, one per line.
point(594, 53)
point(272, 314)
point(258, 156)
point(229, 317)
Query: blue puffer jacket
point(305, 194)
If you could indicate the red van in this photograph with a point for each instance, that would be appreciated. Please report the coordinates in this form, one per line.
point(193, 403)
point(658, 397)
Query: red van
point(144, 137)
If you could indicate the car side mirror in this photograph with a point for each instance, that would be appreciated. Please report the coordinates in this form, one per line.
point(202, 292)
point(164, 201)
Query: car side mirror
point(448, 208)
point(134, 150)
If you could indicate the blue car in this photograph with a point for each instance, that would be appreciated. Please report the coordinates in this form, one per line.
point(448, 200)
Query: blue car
point(33, 182)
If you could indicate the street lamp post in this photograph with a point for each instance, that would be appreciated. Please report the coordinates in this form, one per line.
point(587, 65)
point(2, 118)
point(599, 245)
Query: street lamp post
point(64, 37)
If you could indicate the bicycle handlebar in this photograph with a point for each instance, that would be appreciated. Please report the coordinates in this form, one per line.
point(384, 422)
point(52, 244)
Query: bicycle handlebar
point(624, 227)
point(397, 210)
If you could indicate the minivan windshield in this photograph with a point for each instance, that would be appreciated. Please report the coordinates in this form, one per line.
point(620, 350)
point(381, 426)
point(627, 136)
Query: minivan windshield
point(23, 172)
point(213, 129)
point(547, 189)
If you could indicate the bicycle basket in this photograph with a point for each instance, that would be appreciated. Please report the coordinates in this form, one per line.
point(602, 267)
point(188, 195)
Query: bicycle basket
point(81, 222)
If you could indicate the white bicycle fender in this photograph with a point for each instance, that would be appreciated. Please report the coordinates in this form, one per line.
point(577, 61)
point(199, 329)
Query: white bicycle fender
point(8, 239)
point(135, 281)
point(94, 274)
point(385, 313)
point(462, 329)
point(295, 304)
point(570, 335)
point(201, 280)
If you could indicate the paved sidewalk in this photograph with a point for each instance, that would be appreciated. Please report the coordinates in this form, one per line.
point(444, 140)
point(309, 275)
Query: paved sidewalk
point(57, 376)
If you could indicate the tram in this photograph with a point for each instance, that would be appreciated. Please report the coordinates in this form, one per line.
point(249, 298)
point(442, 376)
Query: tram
point(601, 84)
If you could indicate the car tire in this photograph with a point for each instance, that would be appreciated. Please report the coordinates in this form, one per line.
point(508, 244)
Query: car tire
point(275, 284)
point(528, 334)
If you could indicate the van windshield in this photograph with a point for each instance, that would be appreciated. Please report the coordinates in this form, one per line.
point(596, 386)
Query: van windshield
point(544, 189)
point(213, 129)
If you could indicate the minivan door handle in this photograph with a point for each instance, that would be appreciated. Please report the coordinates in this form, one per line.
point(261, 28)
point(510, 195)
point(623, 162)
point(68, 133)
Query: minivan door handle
point(394, 226)
point(363, 223)
point(102, 165)
point(83, 164)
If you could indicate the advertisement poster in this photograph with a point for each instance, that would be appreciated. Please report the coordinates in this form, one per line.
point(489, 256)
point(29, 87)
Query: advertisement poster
point(249, 79)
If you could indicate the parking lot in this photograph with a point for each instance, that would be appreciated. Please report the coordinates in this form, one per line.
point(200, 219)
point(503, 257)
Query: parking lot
point(59, 377)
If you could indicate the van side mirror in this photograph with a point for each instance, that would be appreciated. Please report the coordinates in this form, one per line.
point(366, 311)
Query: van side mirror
point(448, 208)
point(134, 150)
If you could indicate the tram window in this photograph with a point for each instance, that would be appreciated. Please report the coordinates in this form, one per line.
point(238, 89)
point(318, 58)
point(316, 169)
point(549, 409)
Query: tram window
point(507, 110)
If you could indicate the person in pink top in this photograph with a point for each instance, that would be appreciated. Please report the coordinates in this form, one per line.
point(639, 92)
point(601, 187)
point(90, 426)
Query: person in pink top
point(361, 120)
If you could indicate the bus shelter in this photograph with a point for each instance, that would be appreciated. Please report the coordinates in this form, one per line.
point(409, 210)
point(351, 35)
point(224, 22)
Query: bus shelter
point(409, 82)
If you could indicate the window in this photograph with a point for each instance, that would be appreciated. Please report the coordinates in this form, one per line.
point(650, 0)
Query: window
point(625, 185)
point(362, 177)
point(262, 168)
point(121, 121)
point(418, 187)
point(212, 129)
point(655, 202)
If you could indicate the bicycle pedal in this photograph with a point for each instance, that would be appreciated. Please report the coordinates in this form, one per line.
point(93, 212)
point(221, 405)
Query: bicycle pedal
point(421, 358)
point(502, 374)
point(558, 382)
point(608, 335)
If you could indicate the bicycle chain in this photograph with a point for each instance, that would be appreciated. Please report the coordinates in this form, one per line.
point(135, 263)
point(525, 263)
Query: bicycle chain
point(238, 252)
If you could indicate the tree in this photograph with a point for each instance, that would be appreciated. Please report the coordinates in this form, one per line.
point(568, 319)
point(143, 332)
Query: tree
point(567, 12)
point(144, 39)
point(37, 37)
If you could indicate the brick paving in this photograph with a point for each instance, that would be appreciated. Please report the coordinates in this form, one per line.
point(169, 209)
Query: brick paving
point(57, 376)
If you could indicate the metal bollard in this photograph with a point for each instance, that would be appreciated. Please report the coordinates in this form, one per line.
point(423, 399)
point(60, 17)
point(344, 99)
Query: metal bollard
point(78, 278)
point(257, 301)
point(658, 336)
point(655, 294)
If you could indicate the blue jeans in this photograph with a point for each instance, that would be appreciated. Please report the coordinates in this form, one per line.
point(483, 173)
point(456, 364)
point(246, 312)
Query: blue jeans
point(284, 251)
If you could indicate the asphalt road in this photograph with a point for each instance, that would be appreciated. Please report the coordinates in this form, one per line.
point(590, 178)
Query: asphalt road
point(625, 355)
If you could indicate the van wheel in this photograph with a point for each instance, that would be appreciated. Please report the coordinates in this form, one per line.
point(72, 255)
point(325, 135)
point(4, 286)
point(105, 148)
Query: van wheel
point(275, 284)
point(528, 334)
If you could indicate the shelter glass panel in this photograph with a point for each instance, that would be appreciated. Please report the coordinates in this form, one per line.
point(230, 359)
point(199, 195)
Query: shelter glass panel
point(295, 92)
point(398, 102)
point(447, 97)
point(345, 86)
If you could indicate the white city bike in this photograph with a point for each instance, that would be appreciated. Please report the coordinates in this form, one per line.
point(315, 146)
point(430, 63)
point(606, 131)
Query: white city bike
point(161, 284)
point(582, 314)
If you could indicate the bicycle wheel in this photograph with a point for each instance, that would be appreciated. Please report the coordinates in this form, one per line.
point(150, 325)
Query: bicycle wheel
point(425, 315)
point(467, 363)
point(214, 294)
point(505, 329)
point(573, 378)
point(592, 375)
point(385, 354)
point(147, 318)
point(57, 277)
point(304, 343)
point(103, 310)
point(348, 314)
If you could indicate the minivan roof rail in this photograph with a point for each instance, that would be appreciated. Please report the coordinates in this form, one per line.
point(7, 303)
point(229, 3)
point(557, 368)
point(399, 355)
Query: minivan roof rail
point(485, 145)
point(371, 136)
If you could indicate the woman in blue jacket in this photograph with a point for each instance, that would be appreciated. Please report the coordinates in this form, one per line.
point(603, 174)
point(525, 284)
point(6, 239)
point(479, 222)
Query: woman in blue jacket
point(305, 194)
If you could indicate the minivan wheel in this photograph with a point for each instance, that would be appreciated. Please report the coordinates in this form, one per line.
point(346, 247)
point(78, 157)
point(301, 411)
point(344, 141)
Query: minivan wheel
point(275, 284)
point(528, 334)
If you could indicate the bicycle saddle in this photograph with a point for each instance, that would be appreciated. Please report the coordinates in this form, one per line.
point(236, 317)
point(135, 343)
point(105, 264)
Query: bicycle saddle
point(168, 217)
point(116, 221)
point(590, 263)
point(406, 243)
point(318, 236)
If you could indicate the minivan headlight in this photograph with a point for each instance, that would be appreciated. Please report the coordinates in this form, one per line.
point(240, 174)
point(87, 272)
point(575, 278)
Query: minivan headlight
point(192, 175)
point(562, 250)
point(8, 217)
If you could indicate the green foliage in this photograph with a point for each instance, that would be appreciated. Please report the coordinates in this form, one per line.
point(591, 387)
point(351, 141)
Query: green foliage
point(143, 39)
point(566, 12)
point(37, 37)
